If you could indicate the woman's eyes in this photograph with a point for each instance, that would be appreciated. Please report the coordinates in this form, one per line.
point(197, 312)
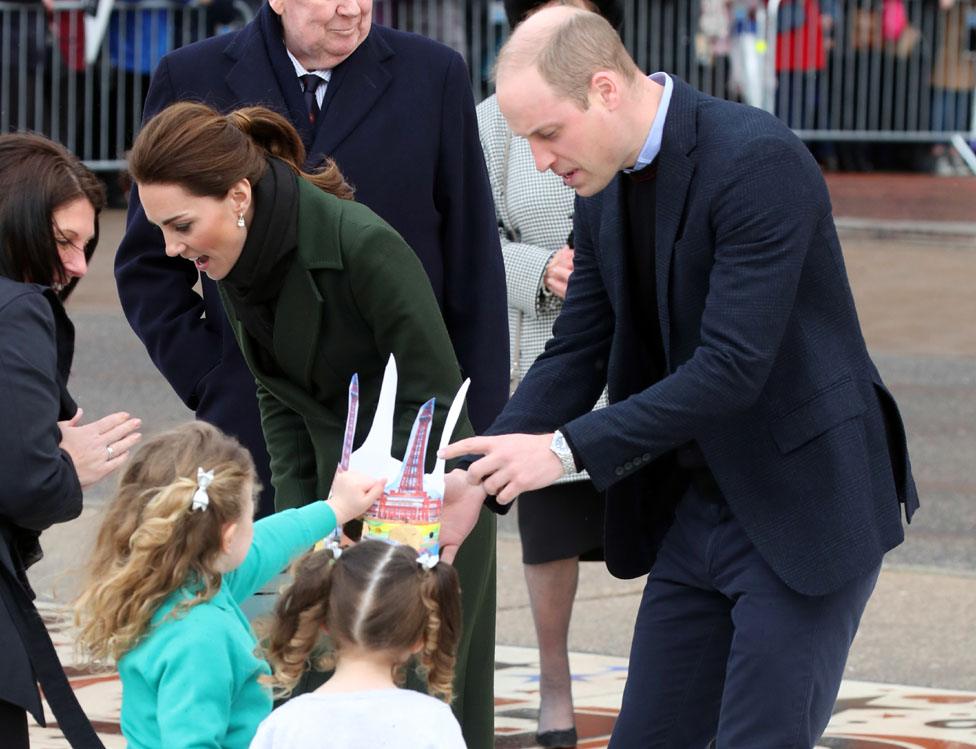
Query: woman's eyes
point(182, 228)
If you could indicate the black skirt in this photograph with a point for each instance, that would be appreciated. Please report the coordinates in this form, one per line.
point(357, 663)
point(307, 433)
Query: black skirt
point(564, 521)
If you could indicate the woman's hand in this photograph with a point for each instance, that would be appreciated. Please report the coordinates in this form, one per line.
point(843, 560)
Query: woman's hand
point(352, 494)
point(99, 448)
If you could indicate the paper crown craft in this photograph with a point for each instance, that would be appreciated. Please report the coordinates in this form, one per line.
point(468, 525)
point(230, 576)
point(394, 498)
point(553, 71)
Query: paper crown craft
point(409, 511)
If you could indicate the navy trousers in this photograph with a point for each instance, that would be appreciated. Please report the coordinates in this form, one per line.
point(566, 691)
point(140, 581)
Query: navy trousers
point(723, 650)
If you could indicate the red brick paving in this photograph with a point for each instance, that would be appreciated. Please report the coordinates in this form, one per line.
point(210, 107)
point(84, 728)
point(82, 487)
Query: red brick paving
point(903, 197)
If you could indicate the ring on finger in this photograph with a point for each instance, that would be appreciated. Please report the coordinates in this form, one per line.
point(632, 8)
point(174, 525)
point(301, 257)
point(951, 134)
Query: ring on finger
point(111, 452)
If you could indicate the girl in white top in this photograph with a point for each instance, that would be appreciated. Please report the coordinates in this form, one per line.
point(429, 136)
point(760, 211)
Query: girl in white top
point(380, 605)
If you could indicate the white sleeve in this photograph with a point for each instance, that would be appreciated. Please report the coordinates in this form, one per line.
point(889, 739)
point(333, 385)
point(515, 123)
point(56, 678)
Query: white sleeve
point(265, 736)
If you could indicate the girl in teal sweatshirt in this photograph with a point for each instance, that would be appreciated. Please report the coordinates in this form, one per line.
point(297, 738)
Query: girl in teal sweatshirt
point(176, 554)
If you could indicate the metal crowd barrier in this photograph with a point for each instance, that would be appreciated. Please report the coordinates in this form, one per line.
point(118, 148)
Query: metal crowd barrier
point(834, 70)
point(94, 110)
point(875, 70)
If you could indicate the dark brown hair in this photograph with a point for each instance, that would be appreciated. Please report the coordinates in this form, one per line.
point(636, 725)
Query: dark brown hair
point(38, 176)
point(151, 542)
point(206, 153)
point(375, 596)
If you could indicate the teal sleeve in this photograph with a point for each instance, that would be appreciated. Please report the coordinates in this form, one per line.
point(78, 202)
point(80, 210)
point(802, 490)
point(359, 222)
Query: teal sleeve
point(193, 705)
point(277, 540)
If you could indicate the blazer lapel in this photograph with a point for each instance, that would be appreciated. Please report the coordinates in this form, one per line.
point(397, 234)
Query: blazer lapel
point(613, 253)
point(675, 170)
point(356, 86)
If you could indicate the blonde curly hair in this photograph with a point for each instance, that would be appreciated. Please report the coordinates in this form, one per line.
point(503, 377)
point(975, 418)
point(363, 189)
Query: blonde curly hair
point(151, 543)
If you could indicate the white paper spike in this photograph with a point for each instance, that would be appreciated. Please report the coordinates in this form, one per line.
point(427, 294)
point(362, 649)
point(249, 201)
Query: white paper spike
point(374, 456)
point(437, 476)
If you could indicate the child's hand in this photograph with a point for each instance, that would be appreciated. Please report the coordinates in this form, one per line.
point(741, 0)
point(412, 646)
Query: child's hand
point(352, 494)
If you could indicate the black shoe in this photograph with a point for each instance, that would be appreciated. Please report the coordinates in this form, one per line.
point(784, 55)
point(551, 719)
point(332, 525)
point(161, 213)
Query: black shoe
point(564, 738)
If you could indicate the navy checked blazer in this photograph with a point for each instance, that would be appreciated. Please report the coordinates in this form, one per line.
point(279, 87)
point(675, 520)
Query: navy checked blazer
point(767, 369)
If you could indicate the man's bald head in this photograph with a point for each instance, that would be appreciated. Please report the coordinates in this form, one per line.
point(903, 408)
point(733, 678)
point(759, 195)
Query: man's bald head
point(567, 46)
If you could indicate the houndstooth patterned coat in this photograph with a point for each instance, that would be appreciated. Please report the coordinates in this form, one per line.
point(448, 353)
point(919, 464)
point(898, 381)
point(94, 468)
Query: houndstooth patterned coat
point(535, 216)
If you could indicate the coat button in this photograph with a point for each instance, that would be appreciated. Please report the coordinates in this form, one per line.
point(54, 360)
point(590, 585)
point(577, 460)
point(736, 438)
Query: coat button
point(646, 457)
point(619, 471)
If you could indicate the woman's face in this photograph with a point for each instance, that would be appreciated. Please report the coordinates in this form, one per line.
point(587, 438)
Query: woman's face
point(74, 227)
point(204, 230)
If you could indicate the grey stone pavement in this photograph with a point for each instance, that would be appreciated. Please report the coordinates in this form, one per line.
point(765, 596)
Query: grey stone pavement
point(914, 289)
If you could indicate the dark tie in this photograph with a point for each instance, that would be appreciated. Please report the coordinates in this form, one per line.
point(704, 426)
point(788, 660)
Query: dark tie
point(310, 83)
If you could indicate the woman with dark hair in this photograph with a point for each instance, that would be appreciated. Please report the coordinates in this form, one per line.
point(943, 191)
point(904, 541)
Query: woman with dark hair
point(49, 204)
point(316, 288)
point(563, 523)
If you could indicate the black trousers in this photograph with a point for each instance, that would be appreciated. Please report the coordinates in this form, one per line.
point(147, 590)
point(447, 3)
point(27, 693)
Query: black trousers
point(13, 726)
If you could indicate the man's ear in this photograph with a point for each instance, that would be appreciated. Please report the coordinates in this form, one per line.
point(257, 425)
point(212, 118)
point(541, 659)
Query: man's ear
point(227, 534)
point(605, 89)
point(278, 6)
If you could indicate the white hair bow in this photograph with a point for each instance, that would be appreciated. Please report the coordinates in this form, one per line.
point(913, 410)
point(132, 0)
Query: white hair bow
point(427, 560)
point(201, 500)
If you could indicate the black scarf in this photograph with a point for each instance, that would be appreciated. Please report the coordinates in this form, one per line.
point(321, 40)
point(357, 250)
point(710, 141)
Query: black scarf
point(255, 281)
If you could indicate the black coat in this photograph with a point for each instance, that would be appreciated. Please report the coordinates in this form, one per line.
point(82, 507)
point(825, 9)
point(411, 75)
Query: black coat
point(40, 486)
point(399, 120)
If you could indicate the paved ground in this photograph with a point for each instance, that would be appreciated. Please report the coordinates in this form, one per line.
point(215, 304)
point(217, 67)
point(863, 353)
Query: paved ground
point(911, 254)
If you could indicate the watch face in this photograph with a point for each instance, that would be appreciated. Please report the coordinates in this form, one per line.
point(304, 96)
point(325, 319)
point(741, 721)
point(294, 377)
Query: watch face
point(559, 442)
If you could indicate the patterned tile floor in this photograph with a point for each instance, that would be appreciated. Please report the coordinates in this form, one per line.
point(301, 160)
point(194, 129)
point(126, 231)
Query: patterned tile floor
point(867, 715)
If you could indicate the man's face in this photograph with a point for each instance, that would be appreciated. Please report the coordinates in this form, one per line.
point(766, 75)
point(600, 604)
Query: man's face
point(579, 145)
point(323, 33)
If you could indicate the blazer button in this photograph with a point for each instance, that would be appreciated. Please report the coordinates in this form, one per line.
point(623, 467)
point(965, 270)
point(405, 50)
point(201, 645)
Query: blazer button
point(619, 471)
point(628, 466)
point(646, 457)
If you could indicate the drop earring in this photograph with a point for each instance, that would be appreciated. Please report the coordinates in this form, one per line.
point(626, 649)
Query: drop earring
point(240, 220)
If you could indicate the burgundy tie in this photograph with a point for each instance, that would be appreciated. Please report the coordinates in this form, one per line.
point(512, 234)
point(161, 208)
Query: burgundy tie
point(310, 83)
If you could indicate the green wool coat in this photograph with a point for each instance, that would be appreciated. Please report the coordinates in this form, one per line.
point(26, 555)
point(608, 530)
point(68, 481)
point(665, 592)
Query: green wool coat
point(356, 293)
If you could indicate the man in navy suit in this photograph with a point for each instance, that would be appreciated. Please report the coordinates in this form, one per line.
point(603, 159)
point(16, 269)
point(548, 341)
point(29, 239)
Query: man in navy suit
point(396, 113)
point(753, 461)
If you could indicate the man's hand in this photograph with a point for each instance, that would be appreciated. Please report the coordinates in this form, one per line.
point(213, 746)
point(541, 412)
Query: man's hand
point(512, 463)
point(558, 271)
point(462, 505)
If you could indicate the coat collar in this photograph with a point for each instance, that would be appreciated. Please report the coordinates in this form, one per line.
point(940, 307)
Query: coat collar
point(261, 69)
point(252, 77)
point(357, 84)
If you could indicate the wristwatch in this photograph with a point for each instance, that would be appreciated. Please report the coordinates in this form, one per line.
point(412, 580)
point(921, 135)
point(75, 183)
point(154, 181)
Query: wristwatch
point(560, 447)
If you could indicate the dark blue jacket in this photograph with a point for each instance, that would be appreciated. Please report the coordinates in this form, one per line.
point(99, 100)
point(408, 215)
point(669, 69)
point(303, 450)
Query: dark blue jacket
point(39, 488)
point(767, 370)
point(399, 120)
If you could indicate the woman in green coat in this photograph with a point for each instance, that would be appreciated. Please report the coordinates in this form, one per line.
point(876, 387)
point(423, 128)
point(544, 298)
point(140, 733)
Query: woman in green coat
point(317, 288)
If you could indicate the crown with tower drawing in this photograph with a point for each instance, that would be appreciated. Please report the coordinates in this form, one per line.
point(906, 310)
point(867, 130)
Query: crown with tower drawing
point(409, 510)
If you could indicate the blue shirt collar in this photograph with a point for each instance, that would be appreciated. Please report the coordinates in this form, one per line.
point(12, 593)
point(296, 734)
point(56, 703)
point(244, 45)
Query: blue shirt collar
point(652, 146)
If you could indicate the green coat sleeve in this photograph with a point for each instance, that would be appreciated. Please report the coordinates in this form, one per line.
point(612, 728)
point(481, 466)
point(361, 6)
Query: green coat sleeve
point(293, 467)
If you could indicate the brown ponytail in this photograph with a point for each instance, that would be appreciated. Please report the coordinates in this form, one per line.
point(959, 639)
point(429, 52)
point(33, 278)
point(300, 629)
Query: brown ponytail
point(193, 146)
point(375, 596)
point(441, 597)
